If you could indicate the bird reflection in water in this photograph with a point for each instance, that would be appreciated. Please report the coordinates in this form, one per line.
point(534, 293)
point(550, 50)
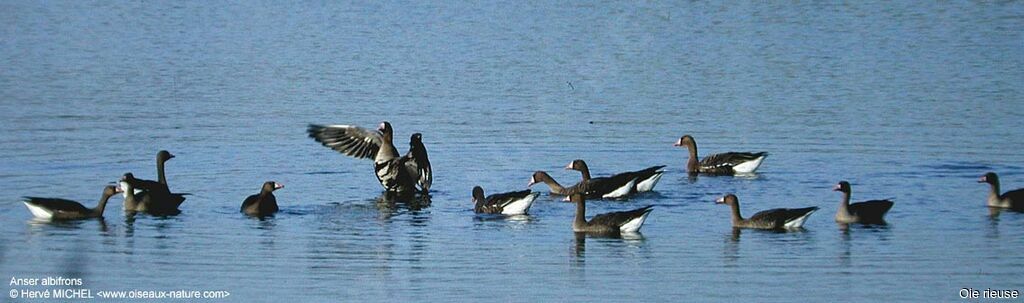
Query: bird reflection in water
point(731, 249)
point(993, 222)
point(993, 213)
point(39, 224)
point(391, 203)
point(580, 241)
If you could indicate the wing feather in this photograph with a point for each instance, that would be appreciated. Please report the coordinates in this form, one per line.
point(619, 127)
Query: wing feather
point(620, 217)
point(350, 140)
point(728, 159)
point(418, 152)
point(57, 204)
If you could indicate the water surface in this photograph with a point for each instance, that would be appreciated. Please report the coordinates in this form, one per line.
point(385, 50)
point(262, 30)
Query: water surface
point(907, 102)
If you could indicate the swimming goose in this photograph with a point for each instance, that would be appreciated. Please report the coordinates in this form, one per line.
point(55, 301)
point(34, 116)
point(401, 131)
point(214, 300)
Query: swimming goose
point(263, 203)
point(612, 187)
point(61, 209)
point(155, 201)
point(867, 212)
point(396, 173)
point(595, 189)
point(509, 203)
point(720, 164)
point(1013, 199)
point(608, 223)
point(646, 178)
point(777, 218)
point(161, 183)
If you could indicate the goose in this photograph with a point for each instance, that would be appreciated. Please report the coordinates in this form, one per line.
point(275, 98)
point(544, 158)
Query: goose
point(263, 203)
point(155, 201)
point(508, 203)
point(161, 183)
point(62, 209)
point(720, 164)
point(594, 189)
point(1013, 199)
point(867, 212)
point(777, 218)
point(613, 187)
point(609, 223)
point(646, 178)
point(396, 173)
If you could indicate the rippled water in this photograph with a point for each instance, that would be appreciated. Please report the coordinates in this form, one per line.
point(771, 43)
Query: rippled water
point(907, 102)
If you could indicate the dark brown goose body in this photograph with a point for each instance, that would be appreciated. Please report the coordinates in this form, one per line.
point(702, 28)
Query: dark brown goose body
point(647, 178)
point(160, 186)
point(508, 203)
point(395, 173)
point(643, 180)
point(777, 218)
point(615, 186)
point(867, 212)
point(595, 188)
point(157, 200)
point(612, 223)
point(63, 209)
point(263, 203)
point(729, 163)
point(153, 195)
point(1013, 199)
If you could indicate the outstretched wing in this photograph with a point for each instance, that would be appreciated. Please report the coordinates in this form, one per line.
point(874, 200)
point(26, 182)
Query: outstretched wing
point(418, 153)
point(350, 140)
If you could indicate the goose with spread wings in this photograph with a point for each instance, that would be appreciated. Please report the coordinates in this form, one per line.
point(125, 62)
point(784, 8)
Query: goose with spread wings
point(396, 173)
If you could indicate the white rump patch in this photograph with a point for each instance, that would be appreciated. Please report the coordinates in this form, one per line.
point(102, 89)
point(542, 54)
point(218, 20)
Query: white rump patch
point(649, 183)
point(621, 191)
point(750, 166)
point(634, 225)
point(520, 206)
point(798, 222)
point(39, 212)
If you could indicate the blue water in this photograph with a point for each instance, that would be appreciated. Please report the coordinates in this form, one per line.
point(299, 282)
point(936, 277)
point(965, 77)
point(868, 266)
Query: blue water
point(909, 102)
